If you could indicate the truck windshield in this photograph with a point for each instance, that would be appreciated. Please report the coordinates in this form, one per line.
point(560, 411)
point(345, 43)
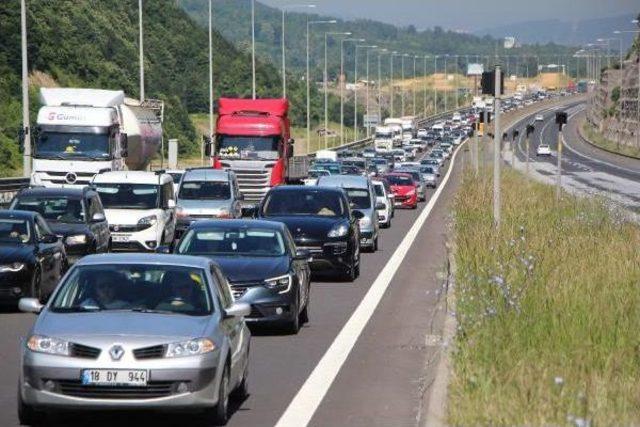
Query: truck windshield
point(129, 196)
point(205, 190)
point(384, 135)
point(63, 145)
point(248, 147)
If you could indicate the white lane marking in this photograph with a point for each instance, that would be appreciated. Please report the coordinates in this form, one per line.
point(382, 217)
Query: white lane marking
point(310, 396)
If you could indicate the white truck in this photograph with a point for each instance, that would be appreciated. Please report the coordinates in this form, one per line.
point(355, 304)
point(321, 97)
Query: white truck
point(396, 125)
point(408, 127)
point(383, 140)
point(81, 132)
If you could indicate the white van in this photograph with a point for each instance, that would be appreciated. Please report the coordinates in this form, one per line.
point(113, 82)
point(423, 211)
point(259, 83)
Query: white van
point(140, 208)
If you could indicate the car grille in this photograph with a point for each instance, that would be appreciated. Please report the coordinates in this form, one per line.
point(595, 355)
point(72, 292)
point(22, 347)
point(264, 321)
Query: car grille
point(153, 352)
point(311, 249)
point(128, 247)
point(240, 288)
point(83, 351)
point(128, 228)
point(153, 389)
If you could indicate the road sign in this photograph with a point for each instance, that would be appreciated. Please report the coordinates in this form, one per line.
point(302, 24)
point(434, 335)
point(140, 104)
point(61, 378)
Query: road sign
point(371, 120)
point(475, 69)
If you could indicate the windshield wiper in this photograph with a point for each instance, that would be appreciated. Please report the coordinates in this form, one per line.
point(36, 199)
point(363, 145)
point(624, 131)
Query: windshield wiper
point(77, 309)
point(153, 311)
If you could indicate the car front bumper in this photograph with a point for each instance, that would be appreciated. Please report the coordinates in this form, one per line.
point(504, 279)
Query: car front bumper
point(328, 256)
point(267, 305)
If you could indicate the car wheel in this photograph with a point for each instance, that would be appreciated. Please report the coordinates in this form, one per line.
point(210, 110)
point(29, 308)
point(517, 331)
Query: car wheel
point(220, 413)
point(375, 245)
point(294, 324)
point(27, 415)
point(35, 290)
point(304, 314)
point(241, 392)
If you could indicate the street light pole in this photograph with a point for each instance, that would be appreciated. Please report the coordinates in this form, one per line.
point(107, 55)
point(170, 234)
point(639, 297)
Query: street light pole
point(342, 81)
point(26, 131)
point(435, 89)
point(210, 80)
point(284, 61)
point(446, 82)
point(141, 53)
point(325, 81)
point(403, 83)
point(355, 89)
point(253, 48)
point(415, 72)
point(425, 86)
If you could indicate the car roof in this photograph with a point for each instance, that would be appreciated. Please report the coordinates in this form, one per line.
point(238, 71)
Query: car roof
point(306, 188)
point(61, 191)
point(132, 177)
point(345, 181)
point(207, 174)
point(235, 223)
point(145, 258)
point(14, 214)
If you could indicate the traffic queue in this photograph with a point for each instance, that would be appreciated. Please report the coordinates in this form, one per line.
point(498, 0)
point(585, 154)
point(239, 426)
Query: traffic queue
point(164, 322)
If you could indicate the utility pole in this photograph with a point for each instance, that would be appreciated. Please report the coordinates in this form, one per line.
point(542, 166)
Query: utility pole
point(446, 83)
point(342, 81)
point(325, 81)
point(497, 137)
point(425, 85)
point(253, 48)
point(26, 131)
point(415, 77)
point(435, 89)
point(141, 37)
point(210, 80)
point(403, 83)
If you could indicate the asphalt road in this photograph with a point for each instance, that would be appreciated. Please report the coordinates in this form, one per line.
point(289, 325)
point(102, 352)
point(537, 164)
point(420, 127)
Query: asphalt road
point(384, 379)
point(585, 169)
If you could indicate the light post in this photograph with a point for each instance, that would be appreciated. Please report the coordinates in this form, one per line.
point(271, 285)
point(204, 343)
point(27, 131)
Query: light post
point(325, 82)
point(425, 85)
point(253, 48)
point(210, 81)
point(446, 82)
point(342, 80)
point(380, 53)
point(355, 88)
point(141, 50)
point(403, 83)
point(392, 94)
point(455, 80)
point(415, 77)
point(284, 60)
point(26, 132)
point(435, 89)
point(309, 24)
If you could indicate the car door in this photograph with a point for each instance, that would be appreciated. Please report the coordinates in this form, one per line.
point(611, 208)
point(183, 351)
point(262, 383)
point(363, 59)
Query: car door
point(300, 269)
point(168, 213)
point(50, 255)
point(100, 229)
point(233, 327)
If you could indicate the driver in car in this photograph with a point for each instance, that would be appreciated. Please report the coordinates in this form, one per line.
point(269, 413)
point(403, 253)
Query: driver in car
point(105, 293)
point(183, 295)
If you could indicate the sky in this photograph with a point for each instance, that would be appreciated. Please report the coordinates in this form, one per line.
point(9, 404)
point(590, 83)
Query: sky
point(469, 15)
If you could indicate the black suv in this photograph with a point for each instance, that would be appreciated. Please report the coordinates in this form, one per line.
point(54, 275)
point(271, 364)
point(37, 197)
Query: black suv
point(320, 221)
point(75, 215)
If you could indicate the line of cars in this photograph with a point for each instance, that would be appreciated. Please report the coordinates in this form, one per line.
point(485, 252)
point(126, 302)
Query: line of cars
point(168, 330)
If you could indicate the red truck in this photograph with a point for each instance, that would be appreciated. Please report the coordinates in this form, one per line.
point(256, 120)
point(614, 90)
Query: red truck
point(253, 140)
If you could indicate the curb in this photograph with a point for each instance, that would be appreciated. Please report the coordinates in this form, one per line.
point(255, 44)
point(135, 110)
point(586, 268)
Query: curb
point(594, 145)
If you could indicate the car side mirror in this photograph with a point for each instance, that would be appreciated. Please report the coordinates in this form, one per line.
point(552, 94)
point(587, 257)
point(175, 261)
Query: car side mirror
point(238, 309)
point(302, 255)
point(48, 239)
point(98, 217)
point(30, 305)
point(358, 214)
point(171, 204)
point(380, 206)
point(249, 211)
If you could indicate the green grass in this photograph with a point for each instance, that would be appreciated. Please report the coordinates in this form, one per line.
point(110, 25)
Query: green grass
point(598, 139)
point(548, 309)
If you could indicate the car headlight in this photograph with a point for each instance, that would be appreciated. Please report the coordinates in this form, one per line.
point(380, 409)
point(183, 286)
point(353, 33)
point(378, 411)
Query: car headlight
point(79, 239)
point(193, 347)
point(222, 213)
point(339, 230)
point(365, 222)
point(11, 268)
point(148, 220)
point(42, 344)
point(281, 283)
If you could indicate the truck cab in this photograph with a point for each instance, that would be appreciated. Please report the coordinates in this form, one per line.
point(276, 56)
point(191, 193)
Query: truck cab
point(383, 140)
point(253, 140)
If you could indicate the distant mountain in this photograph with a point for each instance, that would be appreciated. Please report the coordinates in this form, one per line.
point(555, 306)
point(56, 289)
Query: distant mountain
point(565, 31)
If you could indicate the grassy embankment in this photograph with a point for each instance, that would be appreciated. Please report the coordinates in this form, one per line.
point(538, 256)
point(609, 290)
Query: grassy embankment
point(598, 139)
point(548, 310)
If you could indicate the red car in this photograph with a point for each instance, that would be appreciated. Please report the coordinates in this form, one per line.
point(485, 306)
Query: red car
point(404, 189)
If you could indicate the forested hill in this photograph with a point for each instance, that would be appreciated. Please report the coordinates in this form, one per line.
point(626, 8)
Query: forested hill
point(94, 43)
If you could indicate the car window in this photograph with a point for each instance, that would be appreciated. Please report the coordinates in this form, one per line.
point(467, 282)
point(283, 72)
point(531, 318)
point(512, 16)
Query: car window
point(222, 286)
point(205, 190)
point(14, 230)
point(94, 206)
point(52, 208)
point(233, 241)
point(305, 202)
point(359, 198)
point(135, 287)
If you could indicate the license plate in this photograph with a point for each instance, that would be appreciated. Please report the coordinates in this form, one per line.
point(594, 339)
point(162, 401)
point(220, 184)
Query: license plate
point(113, 377)
point(120, 238)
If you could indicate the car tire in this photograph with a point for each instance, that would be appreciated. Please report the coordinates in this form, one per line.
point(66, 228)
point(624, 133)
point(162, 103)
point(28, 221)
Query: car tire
point(241, 392)
point(375, 245)
point(27, 415)
point(304, 314)
point(220, 413)
point(35, 289)
point(293, 327)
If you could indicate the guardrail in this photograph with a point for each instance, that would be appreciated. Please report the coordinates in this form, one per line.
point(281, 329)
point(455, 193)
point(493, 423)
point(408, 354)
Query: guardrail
point(9, 187)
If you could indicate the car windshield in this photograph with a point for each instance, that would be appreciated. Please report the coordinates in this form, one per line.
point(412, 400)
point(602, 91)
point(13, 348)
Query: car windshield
point(145, 288)
point(52, 208)
point(177, 176)
point(129, 196)
point(318, 173)
point(379, 161)
point(233, 241)
point(359, 198)
point(332, 168)
point(305, 202)
point(72, 145)
point(427, 170)
point(399, 180)
point(14, 231)
point(379, 190)
point(415, 174)
point(248, 147)
point(205, 190)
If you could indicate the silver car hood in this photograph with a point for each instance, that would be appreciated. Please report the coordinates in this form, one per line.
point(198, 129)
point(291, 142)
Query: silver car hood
point(98, 327)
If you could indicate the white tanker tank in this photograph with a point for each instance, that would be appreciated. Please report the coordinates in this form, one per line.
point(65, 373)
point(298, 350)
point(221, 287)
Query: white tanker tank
point(82, 132)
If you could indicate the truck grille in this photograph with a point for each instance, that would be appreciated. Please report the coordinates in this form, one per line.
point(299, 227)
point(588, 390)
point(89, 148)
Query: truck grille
point(153, 389)
point(253, 184)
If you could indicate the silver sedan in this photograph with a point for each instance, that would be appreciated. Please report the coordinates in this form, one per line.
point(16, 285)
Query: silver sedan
point(136, 331)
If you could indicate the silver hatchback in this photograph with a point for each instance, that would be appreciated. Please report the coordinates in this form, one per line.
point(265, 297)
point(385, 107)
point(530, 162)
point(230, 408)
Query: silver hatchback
point(136, 331)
